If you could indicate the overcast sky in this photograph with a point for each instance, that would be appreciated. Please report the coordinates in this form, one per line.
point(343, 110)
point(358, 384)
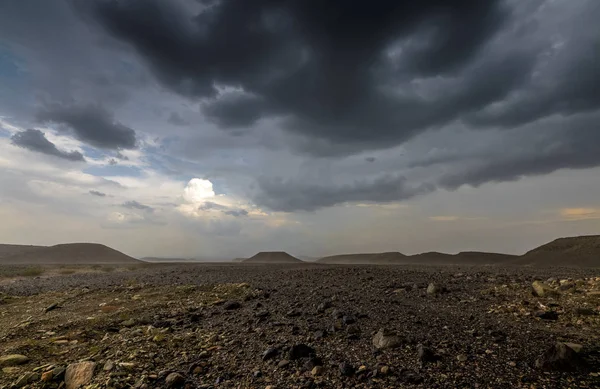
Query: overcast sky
point(219, 128)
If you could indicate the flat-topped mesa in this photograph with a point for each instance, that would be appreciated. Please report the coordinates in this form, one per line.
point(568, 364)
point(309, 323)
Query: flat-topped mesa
point(272, 257)
point(70, 253)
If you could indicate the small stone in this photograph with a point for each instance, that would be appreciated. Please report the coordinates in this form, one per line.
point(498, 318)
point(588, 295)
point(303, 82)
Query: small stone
point(26, 379)
point(13, 360)
point(324, 306)
point(128, 323)
point(51, 307)
point(317, 371)
point(270, 354)
point(318, 335)
point(108, 366)
point(79, 374)
point(461, 357)
point(425, 354)
point(300, 351)
point(385, 339)
point(433, 289)
point(47, 376)
point(385, 370)
point(283, 363)
point(231, 305)
point(257, 374)
point(585, 312)
point(346, 369)
point(10, 370)
point(175, 380)
point(547, 315)
point(293, 313)
point(348, 319)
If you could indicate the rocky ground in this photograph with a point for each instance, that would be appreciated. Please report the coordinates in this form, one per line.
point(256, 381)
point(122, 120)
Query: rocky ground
point(302, 326)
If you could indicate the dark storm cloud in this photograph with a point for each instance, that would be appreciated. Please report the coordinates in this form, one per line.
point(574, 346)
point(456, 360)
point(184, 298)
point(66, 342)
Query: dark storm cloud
point(235, 212)
point(35, 140)
point(572, 144)
point(97, 193)
point(289, 196)
point(326, 67)
point(132, 204)
point(177, 120)
point(91, 124)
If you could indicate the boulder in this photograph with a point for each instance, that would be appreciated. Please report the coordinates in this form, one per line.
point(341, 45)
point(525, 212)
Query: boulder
point(385, 339)
point(541, 289)
point(13, 360)
point(79, 374)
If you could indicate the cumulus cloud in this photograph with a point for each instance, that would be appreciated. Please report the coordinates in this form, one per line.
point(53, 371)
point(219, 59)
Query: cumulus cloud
point(91, 124)
point(198, 190)
point(35, 140)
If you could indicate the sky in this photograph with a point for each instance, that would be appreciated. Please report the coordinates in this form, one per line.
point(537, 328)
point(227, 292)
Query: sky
point(219, 128)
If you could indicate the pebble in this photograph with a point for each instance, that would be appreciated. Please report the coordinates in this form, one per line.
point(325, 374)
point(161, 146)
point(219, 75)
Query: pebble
point(317, 371)
point(79, 374)
point(13, 360)
point(175, 380)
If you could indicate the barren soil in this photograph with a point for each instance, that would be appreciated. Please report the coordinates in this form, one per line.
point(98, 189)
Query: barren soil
point(241, 326)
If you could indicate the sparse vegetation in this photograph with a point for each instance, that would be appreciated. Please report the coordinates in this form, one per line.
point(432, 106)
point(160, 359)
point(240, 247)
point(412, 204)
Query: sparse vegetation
point(20, 271)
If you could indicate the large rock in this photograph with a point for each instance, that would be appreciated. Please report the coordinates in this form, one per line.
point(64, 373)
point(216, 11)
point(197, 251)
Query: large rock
point(79, 374)
point(385, 339)
point(13, 360)
point(560, 356)
point(175, 380)
point(300, 351)
point(541, 289)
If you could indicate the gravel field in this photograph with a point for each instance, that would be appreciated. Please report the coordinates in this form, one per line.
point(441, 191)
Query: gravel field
point(303, 326)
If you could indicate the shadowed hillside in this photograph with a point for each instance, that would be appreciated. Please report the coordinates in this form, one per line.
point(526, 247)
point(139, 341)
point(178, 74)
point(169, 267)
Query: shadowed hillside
point(429, 258)
point(7, 250)
point(272, 257)
point(72, 253)
point(579, 251)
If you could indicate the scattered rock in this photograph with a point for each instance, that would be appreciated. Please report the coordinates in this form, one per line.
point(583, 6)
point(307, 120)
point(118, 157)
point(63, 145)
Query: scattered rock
point(27, 378)
point(293, 313)
point(300, 351)
point(461, 357)
point(585, 312)
point(51, 307)
point(231, 305)
point(175, 380)
point(13, 360)
point(324, 306)
point(128, 323)
point(547, 315)
point(425, 354)
point(270, 354)
point(348, 319)
point(541, 289)
point(346, 369)
point(385, 339)
point(78, 374)
point(317, 371)
point(433, 289)
point(47, 376)
point(385, 370)
point(283, 363)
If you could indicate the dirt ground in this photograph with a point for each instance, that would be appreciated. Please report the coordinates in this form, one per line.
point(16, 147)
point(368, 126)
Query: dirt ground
point(300, 326)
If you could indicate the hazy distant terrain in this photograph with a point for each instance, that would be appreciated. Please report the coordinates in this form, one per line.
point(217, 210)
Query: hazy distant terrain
point(272, 257)
point(71, 253)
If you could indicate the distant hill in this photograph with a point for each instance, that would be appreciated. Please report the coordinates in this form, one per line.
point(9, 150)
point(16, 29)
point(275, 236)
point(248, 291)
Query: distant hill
point(579, 251)
point(429, 258)
point(167, 260)
point(71, 253)
point(272, 257)
point(6, 250)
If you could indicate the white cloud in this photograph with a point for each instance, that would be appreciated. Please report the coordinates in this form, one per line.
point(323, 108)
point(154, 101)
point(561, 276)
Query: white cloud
point(198, 190)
